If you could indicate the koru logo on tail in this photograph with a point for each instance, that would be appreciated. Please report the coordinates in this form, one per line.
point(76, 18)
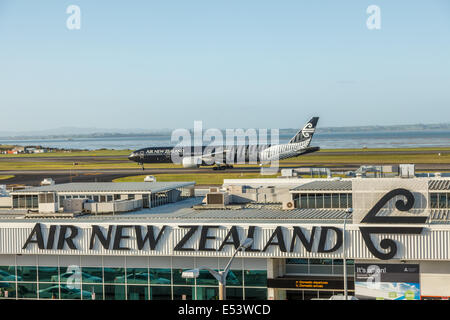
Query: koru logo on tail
point(371, 217)
point(308, 130)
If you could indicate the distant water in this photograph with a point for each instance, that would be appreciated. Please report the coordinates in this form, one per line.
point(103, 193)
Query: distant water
point(405, 139)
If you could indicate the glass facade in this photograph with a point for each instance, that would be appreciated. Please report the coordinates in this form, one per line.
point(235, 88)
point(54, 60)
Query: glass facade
point(319, 266)
point(112, 283)
point(440, 200)
point(323, 200)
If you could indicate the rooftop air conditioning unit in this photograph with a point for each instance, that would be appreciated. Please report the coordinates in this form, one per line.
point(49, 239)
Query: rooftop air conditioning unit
point(217, 198)
point(288, 205)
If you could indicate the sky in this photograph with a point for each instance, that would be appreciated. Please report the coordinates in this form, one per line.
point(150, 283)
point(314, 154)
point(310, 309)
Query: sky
point(231, 64)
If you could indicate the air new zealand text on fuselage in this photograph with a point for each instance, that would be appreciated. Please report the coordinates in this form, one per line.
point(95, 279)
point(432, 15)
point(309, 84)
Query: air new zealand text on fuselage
point(225, 156)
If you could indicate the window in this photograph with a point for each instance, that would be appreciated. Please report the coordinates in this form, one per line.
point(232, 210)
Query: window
point(48, 274)
point(255, 294)
point(48, 291)
point(433, 200)
point(160, 276)
point(114, 275)
point(27, 290)
point(137, 293)
point(92, 291)
point(343, 200)
point(183, 293)
point(26, 273)
point(234, 278)
point(207, 293)
point(235, 293)
point(137, 276)
point(160, 293)
point(178, 279)
point(303, 201)
point(255, 278)
point(311, 200)
point(92, 275)
point(319, 200)
point(335, 200)
point(442, 200)
point(327, 200)
point(114, 292)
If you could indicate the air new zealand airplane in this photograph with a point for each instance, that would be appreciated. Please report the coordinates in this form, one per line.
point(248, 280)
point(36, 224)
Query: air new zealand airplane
point(224, 157)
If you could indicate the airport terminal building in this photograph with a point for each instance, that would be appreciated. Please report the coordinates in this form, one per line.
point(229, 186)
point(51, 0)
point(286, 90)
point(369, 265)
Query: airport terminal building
point(392, 234)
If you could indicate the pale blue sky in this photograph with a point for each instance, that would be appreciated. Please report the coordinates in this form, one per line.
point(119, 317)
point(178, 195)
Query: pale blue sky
point(232, 64)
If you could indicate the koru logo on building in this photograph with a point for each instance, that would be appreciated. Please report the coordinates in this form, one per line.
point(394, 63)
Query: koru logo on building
point(372, 217)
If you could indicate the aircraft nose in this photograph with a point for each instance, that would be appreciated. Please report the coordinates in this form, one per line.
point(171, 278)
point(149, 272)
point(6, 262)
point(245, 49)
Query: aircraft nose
point(132, 156)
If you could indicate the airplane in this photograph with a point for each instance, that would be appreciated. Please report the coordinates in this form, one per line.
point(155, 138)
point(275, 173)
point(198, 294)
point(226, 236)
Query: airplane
point(224, 157)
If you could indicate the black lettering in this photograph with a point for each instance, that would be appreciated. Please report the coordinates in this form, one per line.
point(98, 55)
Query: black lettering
point(204, 238)
point(69, 240)
point(235, 236)
point(51, 237)
point(39, 239)
point(280, 240)
point(299, 233)
point(251, 234)
point(97, 232)
point(187, 236)
point(150, 236)
point(323, 239)
point(119, 236)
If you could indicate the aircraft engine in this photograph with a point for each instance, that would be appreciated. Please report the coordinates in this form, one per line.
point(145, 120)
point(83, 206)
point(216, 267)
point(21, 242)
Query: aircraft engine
point(192, 162)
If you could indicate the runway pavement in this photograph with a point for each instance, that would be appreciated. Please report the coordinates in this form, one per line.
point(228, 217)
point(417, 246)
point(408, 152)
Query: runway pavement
point(34, 177)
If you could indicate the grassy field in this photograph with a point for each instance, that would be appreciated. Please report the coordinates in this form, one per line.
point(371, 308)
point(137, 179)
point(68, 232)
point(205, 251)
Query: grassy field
point(115, 159)
point(4, 177)
point(202, 178)
point(70, 154)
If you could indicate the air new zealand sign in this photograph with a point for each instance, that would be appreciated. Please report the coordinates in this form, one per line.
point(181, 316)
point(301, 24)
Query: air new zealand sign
point(328, 238)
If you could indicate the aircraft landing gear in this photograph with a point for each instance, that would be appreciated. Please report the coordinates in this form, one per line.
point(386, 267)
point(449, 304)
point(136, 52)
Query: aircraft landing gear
point(142, 166)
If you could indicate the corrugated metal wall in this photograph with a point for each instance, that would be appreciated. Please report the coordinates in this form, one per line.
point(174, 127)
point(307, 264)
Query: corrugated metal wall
point(432, 244)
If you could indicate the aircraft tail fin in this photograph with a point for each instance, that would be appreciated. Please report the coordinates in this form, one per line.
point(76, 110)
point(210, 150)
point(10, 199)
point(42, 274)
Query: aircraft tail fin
point(307, 132)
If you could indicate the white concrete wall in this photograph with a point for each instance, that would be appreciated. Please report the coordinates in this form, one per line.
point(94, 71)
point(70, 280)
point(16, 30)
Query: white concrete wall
point(367, 192)
point(116, 206)
point(5, 202)
point(435, 278)
point(48, 207)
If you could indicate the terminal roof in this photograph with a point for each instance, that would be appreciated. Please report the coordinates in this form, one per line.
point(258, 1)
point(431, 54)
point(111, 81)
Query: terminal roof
point(106, 187)
point(332, 185)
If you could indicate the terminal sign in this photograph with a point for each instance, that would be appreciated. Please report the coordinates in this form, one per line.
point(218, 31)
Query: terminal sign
point(61, 237)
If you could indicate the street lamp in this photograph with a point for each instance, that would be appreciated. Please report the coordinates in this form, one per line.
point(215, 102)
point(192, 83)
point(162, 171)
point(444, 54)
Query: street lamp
point(347, 213)
point(220, 276)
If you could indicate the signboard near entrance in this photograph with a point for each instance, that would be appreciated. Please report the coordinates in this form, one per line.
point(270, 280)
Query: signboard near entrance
point(387, 281)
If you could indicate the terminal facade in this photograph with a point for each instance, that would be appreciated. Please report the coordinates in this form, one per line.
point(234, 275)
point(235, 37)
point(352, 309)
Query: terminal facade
point(393, 234)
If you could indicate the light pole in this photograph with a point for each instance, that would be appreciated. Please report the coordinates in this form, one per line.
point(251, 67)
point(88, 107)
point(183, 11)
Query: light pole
point(221, 276)
point(347, 213)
